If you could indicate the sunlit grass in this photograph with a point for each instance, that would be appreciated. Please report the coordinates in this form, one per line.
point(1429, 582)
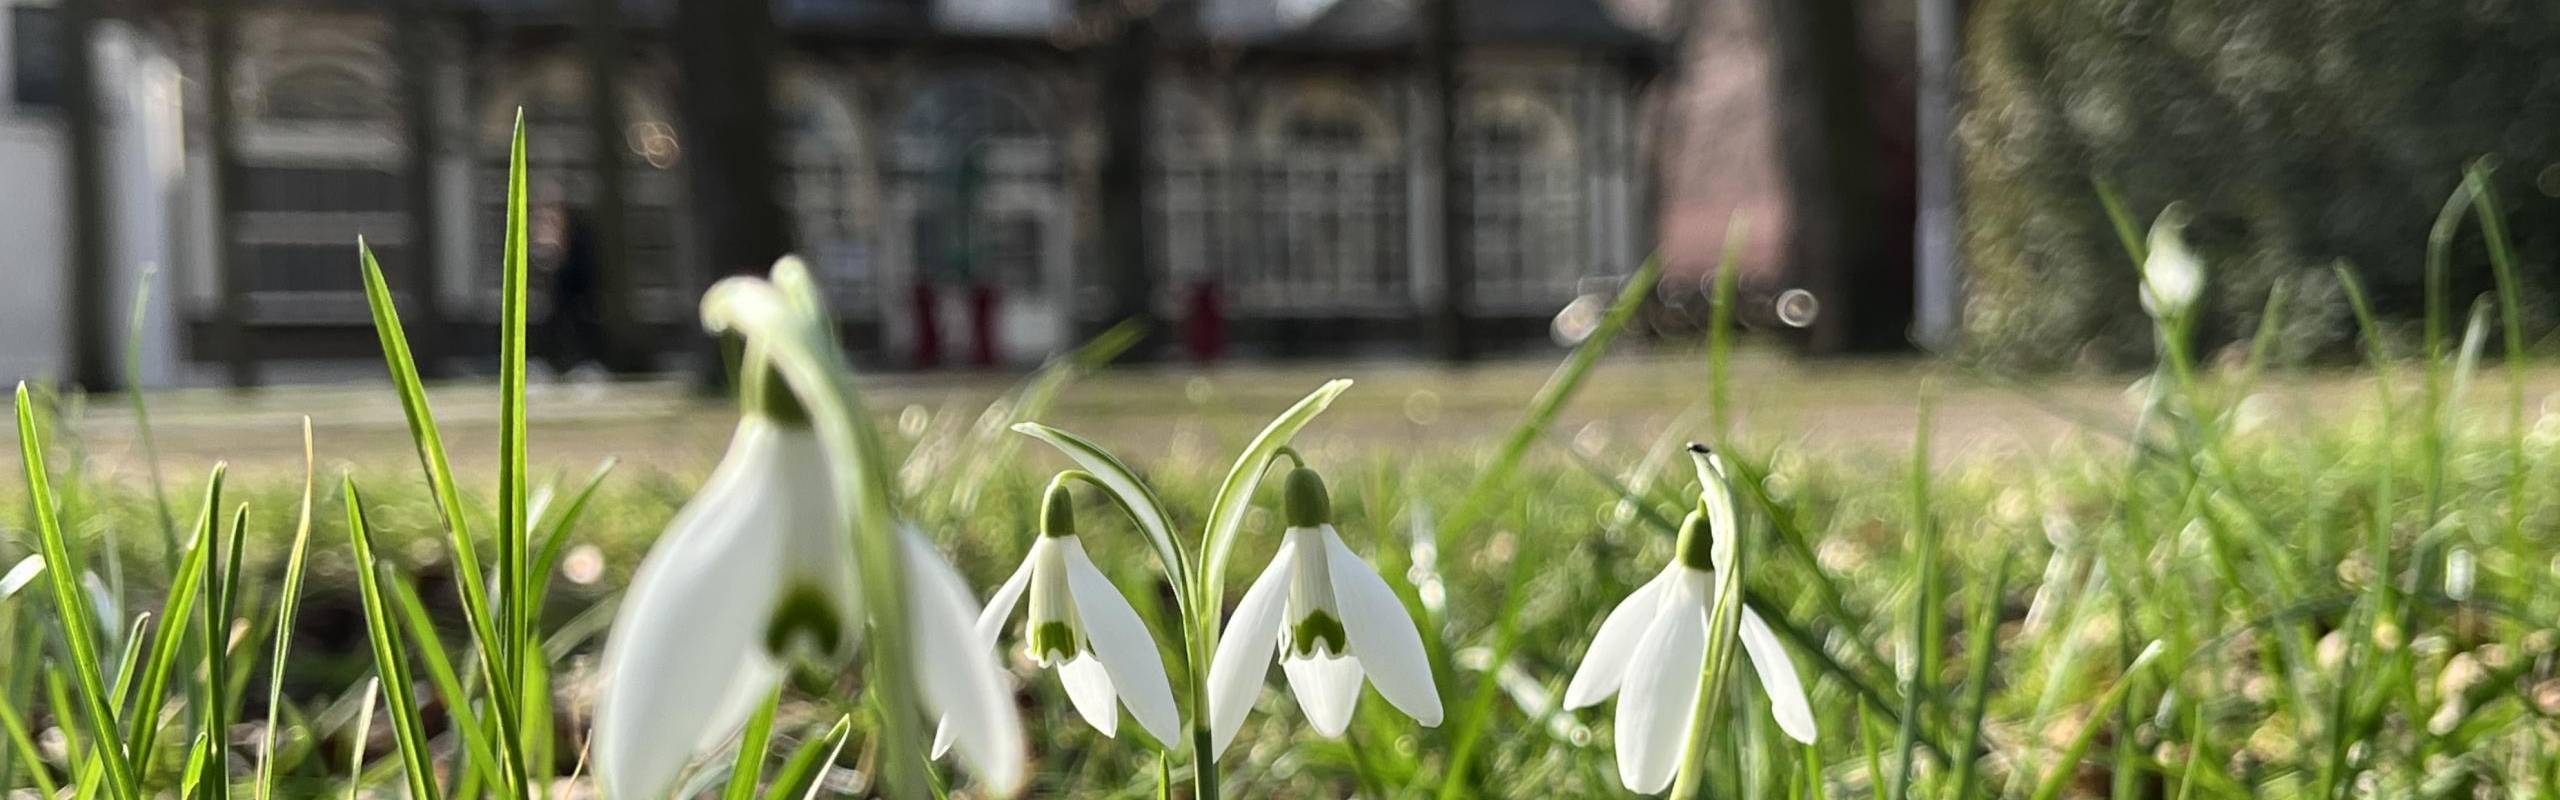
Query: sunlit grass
point(2218, 598)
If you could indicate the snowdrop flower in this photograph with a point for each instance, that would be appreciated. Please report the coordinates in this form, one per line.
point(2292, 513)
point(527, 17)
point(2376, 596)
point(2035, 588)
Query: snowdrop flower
point(1334, 622)
point(1081, 626)
point(2172, 277)
point(1651, 649)
point(757, 571)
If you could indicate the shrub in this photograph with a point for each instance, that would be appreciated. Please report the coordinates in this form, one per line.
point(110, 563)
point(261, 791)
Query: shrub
point(2305, 133)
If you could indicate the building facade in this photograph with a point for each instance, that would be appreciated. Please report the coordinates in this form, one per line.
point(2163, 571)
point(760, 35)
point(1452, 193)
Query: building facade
point(942, 143)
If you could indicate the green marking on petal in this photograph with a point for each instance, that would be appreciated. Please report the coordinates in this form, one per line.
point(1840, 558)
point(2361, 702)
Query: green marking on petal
point(1054, 642)
point(805, 616)
point(1319, 632)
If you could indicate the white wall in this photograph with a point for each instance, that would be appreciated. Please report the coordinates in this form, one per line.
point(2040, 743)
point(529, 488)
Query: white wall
point(145, 172)
point(34, 233)
point(139, 107)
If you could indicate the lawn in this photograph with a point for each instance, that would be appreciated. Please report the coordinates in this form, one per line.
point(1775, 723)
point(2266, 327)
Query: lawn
point(2230, 577)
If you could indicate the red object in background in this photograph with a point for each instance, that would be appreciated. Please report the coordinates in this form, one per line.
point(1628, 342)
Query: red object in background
point(1205, 330)
point(982, 323)
point(928, 329)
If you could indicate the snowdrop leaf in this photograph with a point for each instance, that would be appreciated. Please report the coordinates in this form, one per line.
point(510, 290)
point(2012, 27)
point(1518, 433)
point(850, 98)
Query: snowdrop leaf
point(1235, 494)
point(1125, 489)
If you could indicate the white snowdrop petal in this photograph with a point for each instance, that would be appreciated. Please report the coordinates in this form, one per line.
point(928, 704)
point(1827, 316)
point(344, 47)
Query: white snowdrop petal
point(1000, 605)
point(1383, 635)
point(1244, 650)
point(1604, 665)
point(1121, 640)
point(1777, 677)
point(1661, 687)
point(990, 627)
point(956, 672)
point(2172, 275)
point(1088, 685)
point(684, 664)
point(1328, 689)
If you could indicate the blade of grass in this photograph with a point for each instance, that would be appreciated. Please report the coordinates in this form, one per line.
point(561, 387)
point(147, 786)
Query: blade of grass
point(995, 453)
point(364, 734)
point(799, 773)
point(2502, 264)
point(1548, 402)
point(215, 781)
point(1982, 648)
point(2059, 776)
point(421, 630)
point(289, 601)
point(1925, 619)
point(514, 603)
point(1478, 716)
point(469, 578)
point(390, 652)
point(2128, 232)
point(175, 611)
point(135, 318)
point(25, 746)
point(1720, 331)
point(556, 536)
point(749, 766)
point(71, 605)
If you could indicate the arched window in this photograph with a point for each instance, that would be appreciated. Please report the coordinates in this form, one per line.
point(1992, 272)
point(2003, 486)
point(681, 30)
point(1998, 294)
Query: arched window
point(968, 109)
point(966, 141)
point(1528, 220)
point(319, 160)
point(561, 176)
point(1330, 193)
point(324, 93)
point(1190, 200)
point(825, 187)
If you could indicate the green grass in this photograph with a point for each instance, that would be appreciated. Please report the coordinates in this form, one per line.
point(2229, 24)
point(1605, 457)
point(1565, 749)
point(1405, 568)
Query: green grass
point(2251, 599)
point(1518, 595)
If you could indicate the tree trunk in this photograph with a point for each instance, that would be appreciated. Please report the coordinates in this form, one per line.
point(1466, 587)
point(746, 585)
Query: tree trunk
point(1828, 148)
point(419, 121)
point(1127, 85)
point(1443, 49)
point(86, 308)
point(222, 123)
point(724, 52)
point(601, 41)
point(1665, 122)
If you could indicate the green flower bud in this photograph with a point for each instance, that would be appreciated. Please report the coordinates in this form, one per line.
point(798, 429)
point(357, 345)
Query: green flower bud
point(1305, 505)
point(1697, 543)
point(1058, 510)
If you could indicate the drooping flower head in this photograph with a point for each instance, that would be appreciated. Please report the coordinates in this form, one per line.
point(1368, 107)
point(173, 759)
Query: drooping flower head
point(1334, 622)
point(1082, 627)
point(2172, 276)
point(1652, 647)
point(759, 571)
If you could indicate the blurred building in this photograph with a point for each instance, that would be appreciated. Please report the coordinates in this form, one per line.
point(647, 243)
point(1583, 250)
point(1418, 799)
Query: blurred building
point(922, 142)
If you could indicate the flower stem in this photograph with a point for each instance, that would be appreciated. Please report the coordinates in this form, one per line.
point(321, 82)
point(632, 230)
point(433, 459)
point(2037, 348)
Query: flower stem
point(1724, 623)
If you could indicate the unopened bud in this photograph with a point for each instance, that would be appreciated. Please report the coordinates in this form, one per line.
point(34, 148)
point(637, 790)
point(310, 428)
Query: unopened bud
point(1306, 505)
